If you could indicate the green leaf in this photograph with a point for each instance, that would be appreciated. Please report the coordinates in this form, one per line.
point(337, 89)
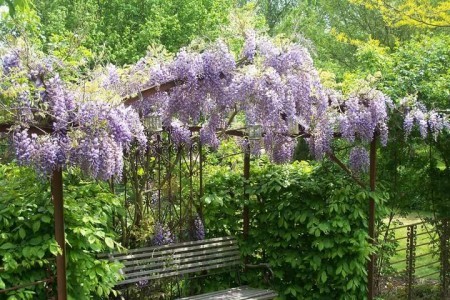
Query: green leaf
point(40, 253)
point(2, 284)
point(26, 252)
point(109, 242)
point(54, 249)
point(349, 285)
point(7, 246)
point(320, 245)
point(22, 233)
point(36, 240)
point(36, 225)
point(99, 291)
point(92, 239)
point(324, 277)
point(339, 270)
point(46, 219)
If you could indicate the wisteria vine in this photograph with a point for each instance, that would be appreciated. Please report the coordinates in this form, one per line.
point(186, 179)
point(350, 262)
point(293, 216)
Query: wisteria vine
point(272, 85)
point(87, 130)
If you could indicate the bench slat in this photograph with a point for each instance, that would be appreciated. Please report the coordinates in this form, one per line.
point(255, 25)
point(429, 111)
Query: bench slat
point(226, 261)
point(179, 260)
point(240, 293)
point(175, 273)
point(215, 293)
point(174, 250)
point(169, 246)
point(184, 244)
point(203, 253)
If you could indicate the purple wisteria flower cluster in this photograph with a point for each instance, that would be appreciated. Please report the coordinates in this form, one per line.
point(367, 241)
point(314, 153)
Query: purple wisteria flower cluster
point(428, 121)
point(180, 134)
point(271, 84)
point(365, 110)
point(359, 160)
point(161, 235)
point(10, 61)
point(91, 134)
point(198, 230)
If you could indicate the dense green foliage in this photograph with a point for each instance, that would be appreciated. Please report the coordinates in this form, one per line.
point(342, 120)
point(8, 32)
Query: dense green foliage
point(416, 171)
point(120, 31)
point(307, 221)
point(27, 244)
point(421, 66)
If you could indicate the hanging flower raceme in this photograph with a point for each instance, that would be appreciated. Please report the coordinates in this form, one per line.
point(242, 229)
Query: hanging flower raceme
point(249, 49)
point(359, 160)
point(272, 85)
point(198, 230)
point(428, 121)
point(180, 134)
point(70, 128)
point(364, 111)
point(161, 235)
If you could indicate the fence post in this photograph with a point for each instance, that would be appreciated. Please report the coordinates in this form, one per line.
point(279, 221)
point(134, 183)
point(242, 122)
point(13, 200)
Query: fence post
point(411, 257)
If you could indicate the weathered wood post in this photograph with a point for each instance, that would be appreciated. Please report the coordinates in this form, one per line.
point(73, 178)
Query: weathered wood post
point(371, 265)
point(246, 214)
point(58, 203)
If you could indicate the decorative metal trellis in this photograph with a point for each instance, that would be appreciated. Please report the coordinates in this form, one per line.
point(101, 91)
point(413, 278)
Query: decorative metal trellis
point(174, 183)
point(165, 185)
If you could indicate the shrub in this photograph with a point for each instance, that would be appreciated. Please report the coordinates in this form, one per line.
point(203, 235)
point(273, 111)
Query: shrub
point(27, 241)
point(307, 221)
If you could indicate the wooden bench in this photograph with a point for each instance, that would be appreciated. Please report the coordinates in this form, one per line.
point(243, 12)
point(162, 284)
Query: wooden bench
point(177, 260)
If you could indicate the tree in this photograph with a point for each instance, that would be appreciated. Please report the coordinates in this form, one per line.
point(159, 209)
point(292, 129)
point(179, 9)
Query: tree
point(120, 30)
point(423, 13)
point(13, 5)
point(274, 10)
point(335, 30)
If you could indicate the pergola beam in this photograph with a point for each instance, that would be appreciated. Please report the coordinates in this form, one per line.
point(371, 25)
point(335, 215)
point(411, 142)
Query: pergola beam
point(150, 91)
point(39, 130)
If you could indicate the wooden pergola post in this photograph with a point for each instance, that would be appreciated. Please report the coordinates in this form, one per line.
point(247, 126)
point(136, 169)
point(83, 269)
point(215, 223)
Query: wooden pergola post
point(372, 236)
point(58, 203)
point(246, 213)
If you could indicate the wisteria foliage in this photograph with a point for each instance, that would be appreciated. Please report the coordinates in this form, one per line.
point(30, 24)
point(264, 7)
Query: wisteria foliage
point(269, 84)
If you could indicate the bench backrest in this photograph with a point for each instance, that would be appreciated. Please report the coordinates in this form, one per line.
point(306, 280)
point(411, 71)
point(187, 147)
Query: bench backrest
point(177, 259)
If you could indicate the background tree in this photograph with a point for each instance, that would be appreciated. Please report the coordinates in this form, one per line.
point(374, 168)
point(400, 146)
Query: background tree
point(424, 13)
point(120, 31)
